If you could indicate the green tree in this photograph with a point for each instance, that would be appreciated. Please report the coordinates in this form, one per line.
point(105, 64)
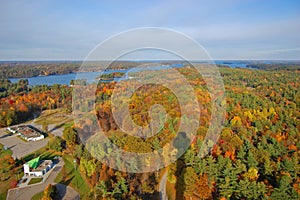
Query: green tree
point(56, 144)
point(103, 189)
point(70, 136)
point(189, 181)
point(285, 189)
point(45, 126)
point(50, 193)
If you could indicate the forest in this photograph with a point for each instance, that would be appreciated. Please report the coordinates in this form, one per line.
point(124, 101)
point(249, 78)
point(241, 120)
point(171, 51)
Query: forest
point(19, 101)
point(256, 156)
point(26, 69)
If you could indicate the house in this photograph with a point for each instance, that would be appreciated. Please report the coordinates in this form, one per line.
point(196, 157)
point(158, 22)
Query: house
point(37, 167)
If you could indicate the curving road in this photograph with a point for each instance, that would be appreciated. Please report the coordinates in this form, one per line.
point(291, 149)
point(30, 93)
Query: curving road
point(162, 187)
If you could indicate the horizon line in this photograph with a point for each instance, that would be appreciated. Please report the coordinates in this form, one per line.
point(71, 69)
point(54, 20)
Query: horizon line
point(138, 60)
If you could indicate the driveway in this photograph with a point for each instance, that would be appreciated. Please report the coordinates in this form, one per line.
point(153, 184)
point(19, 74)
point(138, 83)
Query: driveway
point(19, 147)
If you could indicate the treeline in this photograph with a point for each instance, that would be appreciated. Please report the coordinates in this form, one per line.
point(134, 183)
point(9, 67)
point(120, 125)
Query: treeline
point(8, 88)
point(276, 66)
point(111, 76)
point(31, 69)
point(19, 102)
point(22, 69)
point(26, 70)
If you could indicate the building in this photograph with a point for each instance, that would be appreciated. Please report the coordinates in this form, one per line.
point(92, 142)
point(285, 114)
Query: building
point(37, 167)
point(27, 132)
point(12, 129)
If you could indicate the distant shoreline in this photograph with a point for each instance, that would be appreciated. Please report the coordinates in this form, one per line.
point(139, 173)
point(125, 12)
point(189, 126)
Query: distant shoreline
point(30, 69)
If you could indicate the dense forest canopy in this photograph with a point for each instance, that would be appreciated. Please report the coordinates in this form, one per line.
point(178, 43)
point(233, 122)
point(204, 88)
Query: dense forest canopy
point(256, 156)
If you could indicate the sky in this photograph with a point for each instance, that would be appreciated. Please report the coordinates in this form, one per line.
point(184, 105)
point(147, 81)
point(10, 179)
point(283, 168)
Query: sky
point(226, 29)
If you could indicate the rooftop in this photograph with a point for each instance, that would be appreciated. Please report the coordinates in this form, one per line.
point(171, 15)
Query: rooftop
point(42, 165)
point(28, 131)
point(38, 165)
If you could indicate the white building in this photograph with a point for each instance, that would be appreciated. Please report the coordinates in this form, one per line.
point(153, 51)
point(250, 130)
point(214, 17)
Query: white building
point(27, 132)
point(35, 138)
point(37, 167)
point(12, 130)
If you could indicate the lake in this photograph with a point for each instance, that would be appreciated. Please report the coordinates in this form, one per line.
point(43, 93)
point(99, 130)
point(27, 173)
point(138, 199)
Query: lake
point(89, 76)
point(92, 76)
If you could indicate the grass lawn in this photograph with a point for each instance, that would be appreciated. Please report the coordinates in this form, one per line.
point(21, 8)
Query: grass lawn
point(70, 176)
point(3, 195)
point(69, 124)
point(57, 117)
point(5, 152)
point(35, 180)
point(37, 196)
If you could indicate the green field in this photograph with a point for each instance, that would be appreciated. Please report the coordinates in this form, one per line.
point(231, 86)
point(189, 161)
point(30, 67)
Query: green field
point(70, 176)
point(4, 152)
point(57, 117)
point(35, 180)
point(37, 196)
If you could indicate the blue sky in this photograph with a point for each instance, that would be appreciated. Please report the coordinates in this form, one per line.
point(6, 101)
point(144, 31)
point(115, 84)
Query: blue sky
point(227, 29)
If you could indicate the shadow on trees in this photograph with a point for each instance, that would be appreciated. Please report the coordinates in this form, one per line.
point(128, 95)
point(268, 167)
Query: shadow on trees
point(180, 143)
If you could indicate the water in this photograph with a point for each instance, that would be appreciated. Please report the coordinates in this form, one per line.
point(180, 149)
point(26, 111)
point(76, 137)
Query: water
point(92, 76)
point(48, 80)
point(233, 64)
point(89, 76)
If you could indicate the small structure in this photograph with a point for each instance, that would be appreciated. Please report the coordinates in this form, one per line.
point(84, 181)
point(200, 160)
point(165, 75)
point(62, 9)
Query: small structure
point(12, 129)
point(27, 132)
point(37, 167)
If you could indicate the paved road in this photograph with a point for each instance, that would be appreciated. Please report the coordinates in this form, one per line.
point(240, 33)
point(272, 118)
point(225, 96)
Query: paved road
point(66, 192)
point(19, 147)
point(162, 187)
point(26, 193)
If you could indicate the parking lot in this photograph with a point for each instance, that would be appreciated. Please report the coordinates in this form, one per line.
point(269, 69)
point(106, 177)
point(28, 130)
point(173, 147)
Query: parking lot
point(19, 147)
